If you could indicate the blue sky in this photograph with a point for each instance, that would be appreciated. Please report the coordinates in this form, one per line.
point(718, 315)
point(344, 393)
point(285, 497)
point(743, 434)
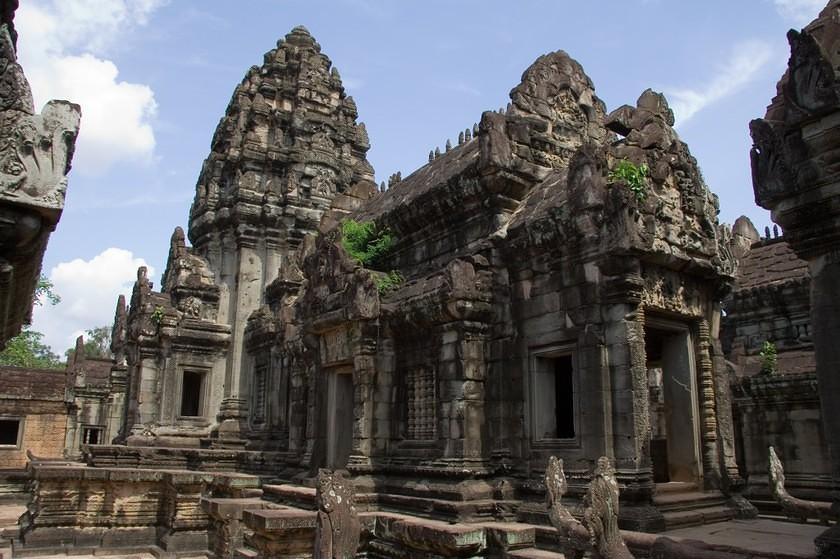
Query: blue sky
point(154, 77)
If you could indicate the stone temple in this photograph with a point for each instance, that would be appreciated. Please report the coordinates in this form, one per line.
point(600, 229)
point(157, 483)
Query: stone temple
point(551, 286)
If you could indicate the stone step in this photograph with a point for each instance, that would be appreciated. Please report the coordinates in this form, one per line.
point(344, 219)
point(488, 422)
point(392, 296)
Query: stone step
point(534, 553)
point(697, 517)
point(688, 501)
point(292, 495)
point(676, 487)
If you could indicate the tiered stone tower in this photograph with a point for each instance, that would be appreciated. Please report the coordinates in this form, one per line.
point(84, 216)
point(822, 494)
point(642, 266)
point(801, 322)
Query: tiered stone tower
point(288, 143)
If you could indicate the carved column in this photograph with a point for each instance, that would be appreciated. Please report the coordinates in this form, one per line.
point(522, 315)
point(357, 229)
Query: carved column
point(708, 417)
point(364, 383)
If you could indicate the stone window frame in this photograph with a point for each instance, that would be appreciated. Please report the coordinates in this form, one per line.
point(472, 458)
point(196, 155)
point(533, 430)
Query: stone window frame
point(264, 362)
point(85, 428)
point(21, 427)
point(549, 352)
point(205, 373)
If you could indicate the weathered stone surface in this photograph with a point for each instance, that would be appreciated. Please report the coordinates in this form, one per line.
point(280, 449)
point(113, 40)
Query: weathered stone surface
point(35, 155)
point(793, 507)
point(337, 529)
point(796, 176)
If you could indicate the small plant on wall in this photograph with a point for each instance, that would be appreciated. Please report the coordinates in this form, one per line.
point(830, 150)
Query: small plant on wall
point(769, 363)
point(365, 242)
point(157, 315)
point(389, 282)
point(632, 175)
point(368, 245)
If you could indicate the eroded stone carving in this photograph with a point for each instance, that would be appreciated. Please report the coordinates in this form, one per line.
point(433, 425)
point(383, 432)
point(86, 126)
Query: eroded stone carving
point(793, 507)
point(35, 155)
point(337, 529)
point(600, 514)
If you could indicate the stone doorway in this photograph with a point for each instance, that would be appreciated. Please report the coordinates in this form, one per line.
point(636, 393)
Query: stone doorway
point(340, 417)
point(672, 389)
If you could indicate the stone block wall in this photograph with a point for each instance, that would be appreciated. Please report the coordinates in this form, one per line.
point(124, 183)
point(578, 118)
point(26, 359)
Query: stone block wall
point(782, 410)
point(35, 398)
point(43, 435)
point(76, 506)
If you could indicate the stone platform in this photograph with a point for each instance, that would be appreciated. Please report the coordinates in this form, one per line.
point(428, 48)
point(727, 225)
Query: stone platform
point(775, 538)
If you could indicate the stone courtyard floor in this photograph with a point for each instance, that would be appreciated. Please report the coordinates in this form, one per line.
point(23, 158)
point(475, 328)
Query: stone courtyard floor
point(762, 535)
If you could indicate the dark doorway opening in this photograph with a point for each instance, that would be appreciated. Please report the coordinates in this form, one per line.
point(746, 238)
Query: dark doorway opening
point(672, 402)
point(191, 394)
point(554, 397)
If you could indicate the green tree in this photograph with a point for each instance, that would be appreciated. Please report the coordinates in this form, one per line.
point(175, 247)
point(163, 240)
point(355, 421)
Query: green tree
point(97, 343)
point(44, 290)
point(27, 349)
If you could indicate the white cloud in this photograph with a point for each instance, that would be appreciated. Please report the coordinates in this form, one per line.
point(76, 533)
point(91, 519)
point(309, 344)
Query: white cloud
point(88, 291)
point(746, 61)
point(800, 12)
point(61, 48)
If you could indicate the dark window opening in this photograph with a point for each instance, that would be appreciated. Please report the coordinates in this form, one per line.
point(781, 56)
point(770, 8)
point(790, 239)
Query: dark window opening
point(9, 431)
point(191, 394)
point(91, 435)
point(554, 398)
point(564, 411)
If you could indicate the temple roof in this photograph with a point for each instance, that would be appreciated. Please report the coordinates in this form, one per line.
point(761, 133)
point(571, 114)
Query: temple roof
point(24, 383)
point(770, 262)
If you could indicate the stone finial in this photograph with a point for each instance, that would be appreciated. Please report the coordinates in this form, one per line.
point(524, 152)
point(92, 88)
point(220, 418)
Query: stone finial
point(79, 350)
point(337, 527)
point(467, 135)
point(509, 108)
point(382, 187)
point(475, 130)
point(431, 155)
point(334, 73)
point(460, 138)
point(437, 152)
point(600, 516)
point(775, 231)
point(448, 145)
point(118, 331)
point(766, 231)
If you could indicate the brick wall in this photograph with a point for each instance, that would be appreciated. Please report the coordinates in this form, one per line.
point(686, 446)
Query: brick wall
point(43, 434)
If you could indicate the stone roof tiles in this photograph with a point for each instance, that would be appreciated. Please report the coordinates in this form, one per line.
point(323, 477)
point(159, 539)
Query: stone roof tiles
point(768, 263)
point(24, 383)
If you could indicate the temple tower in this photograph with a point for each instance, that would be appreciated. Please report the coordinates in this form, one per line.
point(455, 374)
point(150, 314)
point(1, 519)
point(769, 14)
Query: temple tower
point(287, 144)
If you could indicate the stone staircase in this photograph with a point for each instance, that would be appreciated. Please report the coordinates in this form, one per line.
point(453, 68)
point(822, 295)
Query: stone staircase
point(684, 504)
